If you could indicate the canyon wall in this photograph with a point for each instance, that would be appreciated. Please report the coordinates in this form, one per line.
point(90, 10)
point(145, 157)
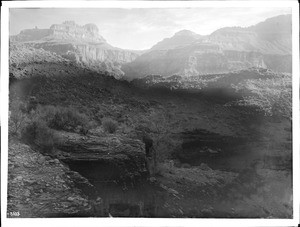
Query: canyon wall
point(265, 45)
point(81, 44)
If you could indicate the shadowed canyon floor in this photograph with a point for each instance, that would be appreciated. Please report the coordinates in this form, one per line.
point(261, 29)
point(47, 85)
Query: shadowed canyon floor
point(213, 160)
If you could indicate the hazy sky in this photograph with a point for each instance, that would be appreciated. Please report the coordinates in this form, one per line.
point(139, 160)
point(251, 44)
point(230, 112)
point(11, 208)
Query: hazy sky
point(142, 28)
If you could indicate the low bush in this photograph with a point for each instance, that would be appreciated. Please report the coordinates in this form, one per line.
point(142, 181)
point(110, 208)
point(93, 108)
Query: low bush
point(17, 117)
point(64, 118)
point(32, 104)
point(37, 132)
point(109, 125)
point(36, 127)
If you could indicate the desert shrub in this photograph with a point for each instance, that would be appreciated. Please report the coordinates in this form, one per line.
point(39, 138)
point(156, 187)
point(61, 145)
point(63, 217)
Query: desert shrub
point(109, 125)
point(64, 118)
point(37, 132)
point(17, 117)
point(68, 119)
point(32, 104)
point(160, 125)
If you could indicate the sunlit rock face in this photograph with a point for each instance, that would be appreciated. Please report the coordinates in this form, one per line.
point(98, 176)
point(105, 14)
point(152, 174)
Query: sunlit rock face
point(69, 30)
point(265, 45)
point(81, 44)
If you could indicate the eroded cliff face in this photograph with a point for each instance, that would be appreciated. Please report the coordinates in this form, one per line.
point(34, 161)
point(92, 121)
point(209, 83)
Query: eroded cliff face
point(106, 158)
point(71, 31)
point(93, 56)
point(81, 44)
point(196, 60)
point(265, 45)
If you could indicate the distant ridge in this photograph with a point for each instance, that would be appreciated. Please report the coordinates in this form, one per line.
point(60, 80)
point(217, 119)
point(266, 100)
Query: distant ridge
point(181, 38)
point(267, 44)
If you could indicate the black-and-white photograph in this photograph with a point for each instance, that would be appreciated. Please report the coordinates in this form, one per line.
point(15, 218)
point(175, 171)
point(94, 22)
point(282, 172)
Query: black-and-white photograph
point(163, 112)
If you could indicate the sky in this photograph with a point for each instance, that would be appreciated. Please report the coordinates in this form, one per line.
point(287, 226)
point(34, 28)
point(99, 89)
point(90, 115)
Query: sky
point(140, 29)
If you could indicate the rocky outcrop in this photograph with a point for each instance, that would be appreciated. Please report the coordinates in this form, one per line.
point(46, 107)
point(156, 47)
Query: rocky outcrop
point(105, 158)
point(39, 186)
point(267, 45)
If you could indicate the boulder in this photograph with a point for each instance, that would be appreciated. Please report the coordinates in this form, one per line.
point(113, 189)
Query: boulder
point(111, 157)
point(204, 166)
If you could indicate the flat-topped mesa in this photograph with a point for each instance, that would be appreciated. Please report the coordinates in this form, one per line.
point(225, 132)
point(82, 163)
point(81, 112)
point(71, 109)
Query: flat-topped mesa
point(68, 30)
point(72, 31)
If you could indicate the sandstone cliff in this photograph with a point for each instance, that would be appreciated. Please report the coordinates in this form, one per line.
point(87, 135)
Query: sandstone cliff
point(80, 44)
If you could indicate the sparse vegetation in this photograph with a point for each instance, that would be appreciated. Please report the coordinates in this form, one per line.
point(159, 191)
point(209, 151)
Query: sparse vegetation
point(63, 118)
point(160, 125)
point(70, 103)
point(17, 118)
point(37, 132)
point(272, 96)
point(109, 125)
point(35, 124)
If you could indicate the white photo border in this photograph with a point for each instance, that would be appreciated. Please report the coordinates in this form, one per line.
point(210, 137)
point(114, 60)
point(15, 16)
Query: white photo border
point(145, 221)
